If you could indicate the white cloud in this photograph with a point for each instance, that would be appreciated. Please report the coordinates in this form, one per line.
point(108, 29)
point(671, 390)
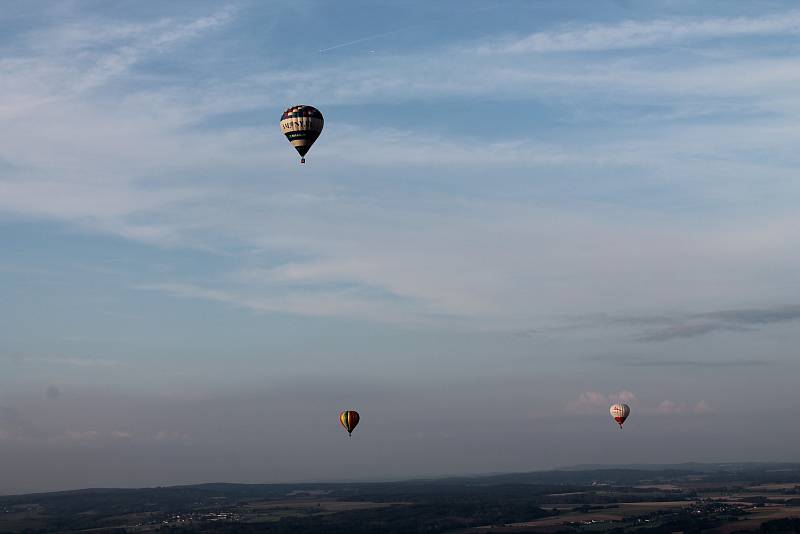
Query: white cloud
point(82, 362)
point(702, 408)
point(486, 268)
point(319, 303)
point(69, 361)
point(623, 396)
point(691, 83)
point(80, 435)
point(592, 402)
point(424, 227)
point(637, 34)
point(669, 407)
point(171, 435)
point(64, 61)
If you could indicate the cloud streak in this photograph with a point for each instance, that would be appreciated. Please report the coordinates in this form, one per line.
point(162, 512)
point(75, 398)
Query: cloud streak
point(64, 62)
point(348, 303)
point(632, 361)
point(675, 326)
point(741, 320)
point(684, 331)
point(669, 407)
point(641, 34)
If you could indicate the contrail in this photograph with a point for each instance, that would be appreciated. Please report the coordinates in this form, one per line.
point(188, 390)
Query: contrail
point(371, 37)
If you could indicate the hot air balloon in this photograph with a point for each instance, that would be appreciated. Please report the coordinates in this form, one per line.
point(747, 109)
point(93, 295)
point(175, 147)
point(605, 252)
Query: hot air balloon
point(349, 420)
point(620, 412)
point(302, 125)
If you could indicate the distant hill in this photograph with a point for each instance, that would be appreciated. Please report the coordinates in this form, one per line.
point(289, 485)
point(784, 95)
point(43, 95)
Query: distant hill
point(688, 466)
point(677, 497)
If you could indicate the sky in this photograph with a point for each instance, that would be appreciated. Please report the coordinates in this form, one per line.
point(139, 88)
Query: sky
point(518, 213)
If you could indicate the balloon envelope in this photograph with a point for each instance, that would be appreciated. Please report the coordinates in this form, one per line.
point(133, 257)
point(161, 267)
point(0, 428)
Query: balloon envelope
point(302, 125)
point(620, 412)
point(349, 420)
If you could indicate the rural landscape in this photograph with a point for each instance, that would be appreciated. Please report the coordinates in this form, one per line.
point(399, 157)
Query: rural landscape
point(723, 498)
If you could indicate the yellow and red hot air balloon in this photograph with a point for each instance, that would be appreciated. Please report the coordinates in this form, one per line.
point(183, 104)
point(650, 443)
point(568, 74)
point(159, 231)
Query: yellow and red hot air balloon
point(302, 125)
point(620, 412)
point(349, 420)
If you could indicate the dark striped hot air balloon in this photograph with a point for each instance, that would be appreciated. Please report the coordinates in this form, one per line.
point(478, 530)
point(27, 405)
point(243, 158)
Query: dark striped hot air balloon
point(349, 420)
point(302, 125)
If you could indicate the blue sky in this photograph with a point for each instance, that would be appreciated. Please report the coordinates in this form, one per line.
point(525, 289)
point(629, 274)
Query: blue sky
point(518, 212)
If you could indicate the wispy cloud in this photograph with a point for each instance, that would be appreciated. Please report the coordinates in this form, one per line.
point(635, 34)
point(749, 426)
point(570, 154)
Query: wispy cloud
point(82, 362)
point(67, 361)
point(641, 361)
point(672, 326)
point(348, 303)
point(15, 426)
point(171, 435)
point(638, 34)
point(65, 61)
point(741, 320)
point(669, 407)
point(419, 231)
point(688, 331)
point(755, 316)
point(526, 68)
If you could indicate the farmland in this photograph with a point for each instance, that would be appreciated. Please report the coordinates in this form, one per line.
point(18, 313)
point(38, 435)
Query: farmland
point(691, 498)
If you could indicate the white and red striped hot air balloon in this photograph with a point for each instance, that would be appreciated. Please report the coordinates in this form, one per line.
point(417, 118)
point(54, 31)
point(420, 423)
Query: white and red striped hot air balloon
point(620, 412)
